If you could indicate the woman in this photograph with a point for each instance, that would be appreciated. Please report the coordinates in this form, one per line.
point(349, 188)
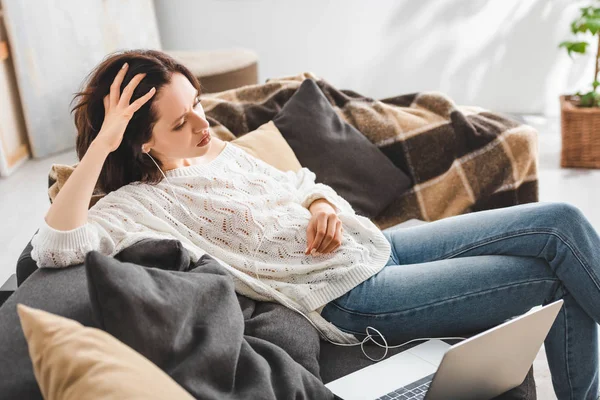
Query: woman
point(143, 137)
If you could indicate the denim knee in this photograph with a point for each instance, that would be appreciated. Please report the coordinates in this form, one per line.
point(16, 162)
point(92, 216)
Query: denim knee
point(565, 215)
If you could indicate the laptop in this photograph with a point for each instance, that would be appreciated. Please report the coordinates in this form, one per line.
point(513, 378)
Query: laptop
point(480, 367)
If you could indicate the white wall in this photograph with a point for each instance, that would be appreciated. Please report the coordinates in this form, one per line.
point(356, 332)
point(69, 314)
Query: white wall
point(499, 54)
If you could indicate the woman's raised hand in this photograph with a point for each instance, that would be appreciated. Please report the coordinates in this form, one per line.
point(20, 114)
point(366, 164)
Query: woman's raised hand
point(118, 111)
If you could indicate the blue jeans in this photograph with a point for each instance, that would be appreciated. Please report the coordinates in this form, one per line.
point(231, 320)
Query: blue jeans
point(466, 273)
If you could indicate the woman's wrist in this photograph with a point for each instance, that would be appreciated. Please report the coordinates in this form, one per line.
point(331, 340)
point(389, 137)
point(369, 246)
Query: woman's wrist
point(320, 204)
point(99, 148)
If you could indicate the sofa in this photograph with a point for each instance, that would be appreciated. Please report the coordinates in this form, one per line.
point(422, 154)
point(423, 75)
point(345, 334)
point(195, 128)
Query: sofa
point(456, 159)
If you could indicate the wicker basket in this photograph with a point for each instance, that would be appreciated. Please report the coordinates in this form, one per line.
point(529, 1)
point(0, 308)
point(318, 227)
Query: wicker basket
point(580, 135)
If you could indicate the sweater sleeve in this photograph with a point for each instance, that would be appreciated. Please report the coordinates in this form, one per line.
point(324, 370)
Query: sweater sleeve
point(109, 228)
point(309, 191)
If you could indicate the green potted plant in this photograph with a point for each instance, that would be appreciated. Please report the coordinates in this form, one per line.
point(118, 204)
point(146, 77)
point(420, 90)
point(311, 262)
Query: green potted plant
point(580, 113)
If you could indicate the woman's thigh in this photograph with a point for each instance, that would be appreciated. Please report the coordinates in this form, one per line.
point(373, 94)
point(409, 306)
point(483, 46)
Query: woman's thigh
point(444, 297)
point(521, 230)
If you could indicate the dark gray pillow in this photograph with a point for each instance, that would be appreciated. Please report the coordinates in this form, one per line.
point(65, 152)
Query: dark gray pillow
point(166, 254)
point(338, 154)
point(191, 325)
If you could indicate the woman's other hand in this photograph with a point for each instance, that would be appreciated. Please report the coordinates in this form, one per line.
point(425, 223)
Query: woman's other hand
point(324, 232)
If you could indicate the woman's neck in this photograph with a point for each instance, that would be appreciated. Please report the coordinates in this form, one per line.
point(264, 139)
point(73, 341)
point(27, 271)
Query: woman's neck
point(216, 146)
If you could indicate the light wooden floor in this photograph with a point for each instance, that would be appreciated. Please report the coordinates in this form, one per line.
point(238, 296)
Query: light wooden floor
point(24, 202)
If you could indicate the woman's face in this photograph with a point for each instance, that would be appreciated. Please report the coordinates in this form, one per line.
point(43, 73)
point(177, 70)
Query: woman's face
point(181, 124)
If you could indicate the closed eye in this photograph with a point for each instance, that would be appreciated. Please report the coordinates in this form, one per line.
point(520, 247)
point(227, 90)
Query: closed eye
point(178, 127)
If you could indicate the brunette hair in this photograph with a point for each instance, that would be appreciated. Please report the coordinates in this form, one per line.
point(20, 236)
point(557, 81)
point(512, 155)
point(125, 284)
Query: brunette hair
point(128, 163)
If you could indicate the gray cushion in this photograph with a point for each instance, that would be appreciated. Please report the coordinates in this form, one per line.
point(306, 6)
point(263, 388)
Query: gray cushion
point(337, 152)
point(192, 326)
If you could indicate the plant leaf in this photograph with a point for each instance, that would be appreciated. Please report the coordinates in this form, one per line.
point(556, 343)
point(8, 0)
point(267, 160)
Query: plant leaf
point(592, 24)
point(574, 47)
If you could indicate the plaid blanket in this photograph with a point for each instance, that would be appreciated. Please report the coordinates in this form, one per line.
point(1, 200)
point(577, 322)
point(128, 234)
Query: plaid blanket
point(461, 159)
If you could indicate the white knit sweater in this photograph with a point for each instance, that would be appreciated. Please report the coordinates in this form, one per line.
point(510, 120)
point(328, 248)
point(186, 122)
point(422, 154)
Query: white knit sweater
point(245, 213)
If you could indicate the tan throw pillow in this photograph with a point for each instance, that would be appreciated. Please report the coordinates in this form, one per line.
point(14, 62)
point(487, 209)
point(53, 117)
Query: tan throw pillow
point(265, 143)
point(71, 361)
point(268, 144)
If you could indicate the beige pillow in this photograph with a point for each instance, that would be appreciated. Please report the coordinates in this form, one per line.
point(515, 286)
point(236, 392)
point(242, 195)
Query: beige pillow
point(71, 361)
point(268, 144)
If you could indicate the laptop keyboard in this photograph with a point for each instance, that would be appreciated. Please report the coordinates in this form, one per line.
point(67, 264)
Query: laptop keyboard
point(415, 390)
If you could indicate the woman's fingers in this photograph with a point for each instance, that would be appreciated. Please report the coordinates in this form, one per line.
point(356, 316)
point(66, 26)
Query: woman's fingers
point(115, 88)
point(106, 101)
point(320, 230)
point(324, 233)
point(331, 226)
point(311, 232)
point(337, 240)
point(128, 91)
point(136, 105)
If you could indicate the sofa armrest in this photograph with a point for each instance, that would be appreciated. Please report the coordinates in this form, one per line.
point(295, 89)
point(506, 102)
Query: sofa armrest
point(25, 265)
point(8, 288)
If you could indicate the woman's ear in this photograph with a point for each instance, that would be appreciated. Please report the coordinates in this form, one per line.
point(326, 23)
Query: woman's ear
point(146, 147)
